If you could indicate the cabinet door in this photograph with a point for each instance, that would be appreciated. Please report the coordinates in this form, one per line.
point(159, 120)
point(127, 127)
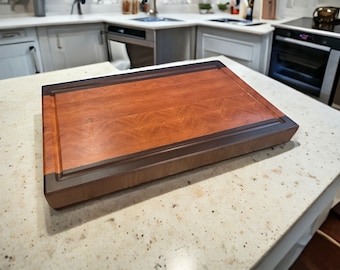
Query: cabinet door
point(240, 51)
point(251, 50)
point(17, 60)
point(71, 46)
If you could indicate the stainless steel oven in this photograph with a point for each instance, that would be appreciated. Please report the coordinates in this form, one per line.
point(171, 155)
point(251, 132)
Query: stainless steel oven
point(306, 61)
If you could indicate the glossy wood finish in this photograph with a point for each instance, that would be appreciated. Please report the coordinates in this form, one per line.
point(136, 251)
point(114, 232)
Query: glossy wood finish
point(106, 134)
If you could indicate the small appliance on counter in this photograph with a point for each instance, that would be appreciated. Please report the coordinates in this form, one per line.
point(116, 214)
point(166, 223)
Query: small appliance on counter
point(326, 14)
point(326, 18)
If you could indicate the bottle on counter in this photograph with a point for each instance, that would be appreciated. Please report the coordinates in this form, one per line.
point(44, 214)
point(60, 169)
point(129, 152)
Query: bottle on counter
point(243, 8)
point(127, 6)
point(250, 10)
point(144, 6)
point(135, 6)
point(235, 7)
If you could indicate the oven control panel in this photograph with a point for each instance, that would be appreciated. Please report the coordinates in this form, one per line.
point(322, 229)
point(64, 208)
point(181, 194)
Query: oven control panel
point(331, 42)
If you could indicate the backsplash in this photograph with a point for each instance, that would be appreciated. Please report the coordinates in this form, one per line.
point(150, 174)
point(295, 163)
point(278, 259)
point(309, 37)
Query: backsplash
point(16, 6)
point(285, 8)
point(289, 8)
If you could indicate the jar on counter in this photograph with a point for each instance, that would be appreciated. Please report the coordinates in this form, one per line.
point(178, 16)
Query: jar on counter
point(39, 8)
point(130, 6)
point(127, 6)
point(135, 6)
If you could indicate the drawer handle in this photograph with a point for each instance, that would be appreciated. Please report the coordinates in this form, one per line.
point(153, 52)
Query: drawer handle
point(59, 46)
point(10, 35)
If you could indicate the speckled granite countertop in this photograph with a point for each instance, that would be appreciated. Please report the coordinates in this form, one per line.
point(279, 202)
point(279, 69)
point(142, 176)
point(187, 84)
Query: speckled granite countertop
point(230, 215)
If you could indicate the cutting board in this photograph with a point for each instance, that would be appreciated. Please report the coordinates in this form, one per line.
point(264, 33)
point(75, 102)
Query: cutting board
point(110, 133)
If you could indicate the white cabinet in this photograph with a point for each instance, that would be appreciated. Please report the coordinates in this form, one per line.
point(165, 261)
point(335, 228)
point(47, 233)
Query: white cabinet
point(72, 45)
point(19, 53)
point(249, 49)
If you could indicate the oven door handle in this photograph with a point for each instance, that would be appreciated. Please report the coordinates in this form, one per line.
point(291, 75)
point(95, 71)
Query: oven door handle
point(330, 77)
point(303, 43)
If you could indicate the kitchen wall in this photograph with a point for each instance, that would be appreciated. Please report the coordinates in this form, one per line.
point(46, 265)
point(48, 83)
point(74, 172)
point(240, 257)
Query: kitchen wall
point(285, 8)
point(16, 7)
point(294, 8)
point(107, 6)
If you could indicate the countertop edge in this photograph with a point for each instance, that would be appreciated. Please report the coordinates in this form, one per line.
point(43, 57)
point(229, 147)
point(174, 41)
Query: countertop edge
point(185, 20)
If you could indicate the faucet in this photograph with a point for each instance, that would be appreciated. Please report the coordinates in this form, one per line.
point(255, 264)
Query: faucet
point(153, 9)
point(78, 2)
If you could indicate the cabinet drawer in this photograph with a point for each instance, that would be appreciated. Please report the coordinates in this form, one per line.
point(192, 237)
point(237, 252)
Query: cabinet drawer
point(10, 36)
point(229, 47)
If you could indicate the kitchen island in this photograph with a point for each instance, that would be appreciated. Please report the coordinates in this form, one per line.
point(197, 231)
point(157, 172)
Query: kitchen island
point(254, 211)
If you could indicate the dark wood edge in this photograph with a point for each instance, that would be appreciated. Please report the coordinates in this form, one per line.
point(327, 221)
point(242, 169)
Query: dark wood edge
point(53, 89)
point(150, 157)
point(65, 193)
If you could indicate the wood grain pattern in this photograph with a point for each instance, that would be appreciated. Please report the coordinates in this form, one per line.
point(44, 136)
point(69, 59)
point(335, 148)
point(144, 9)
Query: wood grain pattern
point(105, 134)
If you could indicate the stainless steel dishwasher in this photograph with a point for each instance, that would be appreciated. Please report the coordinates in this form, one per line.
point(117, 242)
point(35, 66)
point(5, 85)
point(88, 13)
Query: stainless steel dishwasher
point(146, 47)
point(139, 43)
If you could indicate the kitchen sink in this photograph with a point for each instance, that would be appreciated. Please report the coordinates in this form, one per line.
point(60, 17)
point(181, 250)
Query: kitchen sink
point(237, 21)
point(155, 19)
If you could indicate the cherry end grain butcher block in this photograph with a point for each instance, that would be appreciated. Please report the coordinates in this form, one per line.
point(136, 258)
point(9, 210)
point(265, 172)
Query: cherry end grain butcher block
point(106, 134)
